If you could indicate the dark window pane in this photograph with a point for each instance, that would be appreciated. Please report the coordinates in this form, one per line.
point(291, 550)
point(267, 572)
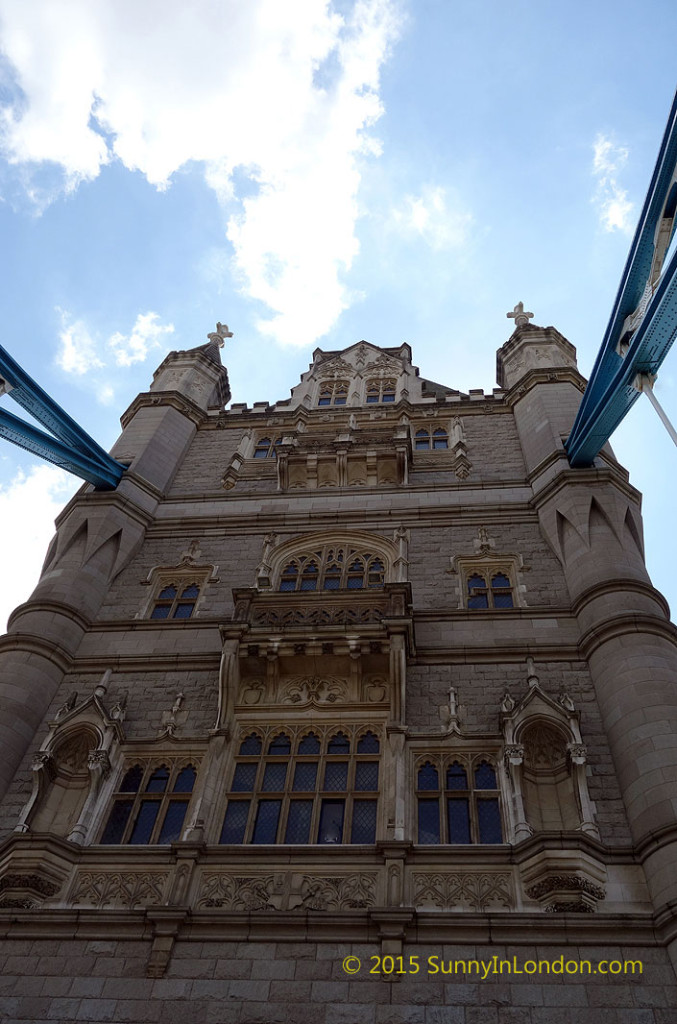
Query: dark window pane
point(340, 400)
point(489, 821)
point(132, 780)
point(368, 744)
point(309, 583)
point(364, 821)
point(440, 442)
point(183, 610)
point(485, 776)
point(235, 822)
point(290, 570)
point(260, 453)
point(478, 601)
point(298, 821)
point(173, 823)
point(143, 826)
point(331, 821)
point(336, 776)
point(459, 820)
point(160, 611)
point(428, 777)
point(280, 745)
point(502, 600)
point(332, 582)
point(244, 778)
point(117, 822)
point(456, 776)
point(274, 778)
point(388, 396)
point(191, 591)
point(355, 582)
point(287, 585)
point(339, 744)
point(476, 582)
point(168, 594)
point(309, 744)
point(324, 401)
point(185, 780)
point(428, 821)
point(305, 776)
point(366, 775)
point(372, 398)
point(500, 580)
point(267, 817)
point(157, 783)
point(251, 745)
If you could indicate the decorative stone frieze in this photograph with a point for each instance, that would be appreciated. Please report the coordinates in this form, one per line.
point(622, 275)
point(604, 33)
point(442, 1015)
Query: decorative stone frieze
point(463, 890)
point(119, 888)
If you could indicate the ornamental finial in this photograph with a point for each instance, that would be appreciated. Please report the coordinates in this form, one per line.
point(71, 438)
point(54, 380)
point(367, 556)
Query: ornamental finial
point(220, 334)
point(519, 316)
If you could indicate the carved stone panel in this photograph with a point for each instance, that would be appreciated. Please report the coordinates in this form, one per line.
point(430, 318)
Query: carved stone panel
point(461, 890)
point(288, 891)
point(119, 888)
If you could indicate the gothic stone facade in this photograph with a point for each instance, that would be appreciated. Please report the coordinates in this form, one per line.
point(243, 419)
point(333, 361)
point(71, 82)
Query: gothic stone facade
point(369, 672)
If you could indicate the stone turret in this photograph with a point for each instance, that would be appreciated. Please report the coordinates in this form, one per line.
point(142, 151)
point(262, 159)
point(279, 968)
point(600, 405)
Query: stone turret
point(591, 519)
point(97, 535)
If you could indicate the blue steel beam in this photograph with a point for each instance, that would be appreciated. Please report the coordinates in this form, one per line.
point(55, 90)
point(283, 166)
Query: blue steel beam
point(610, 392)
point(68, 445)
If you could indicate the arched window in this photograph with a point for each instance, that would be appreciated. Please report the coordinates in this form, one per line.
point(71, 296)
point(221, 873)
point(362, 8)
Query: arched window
point(321, 793)
point(150, 806)
point(266, 448)
point(176, 601)
point(436, 439)
point(462, 812)
point(333, 567)
point(381, 390)
point(333, 392)
point(498, 594)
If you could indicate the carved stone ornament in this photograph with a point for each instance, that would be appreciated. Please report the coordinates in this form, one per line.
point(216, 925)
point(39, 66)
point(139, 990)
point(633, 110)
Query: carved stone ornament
point(238, 892)
point(514, 754)
point(119, 889)
point(99, 759)
point(34, 883)
point(561, 894)
point(43, 761)
point(458, 890)
point(326, 616)
point(314, 690)
point(350, 892)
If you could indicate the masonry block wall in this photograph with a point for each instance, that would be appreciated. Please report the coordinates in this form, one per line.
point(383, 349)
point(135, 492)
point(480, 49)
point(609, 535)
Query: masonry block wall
point(368, 672)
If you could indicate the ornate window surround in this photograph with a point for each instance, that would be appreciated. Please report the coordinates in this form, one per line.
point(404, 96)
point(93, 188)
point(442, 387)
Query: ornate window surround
point(188, 572)
point(357, 543)
point(487, 566)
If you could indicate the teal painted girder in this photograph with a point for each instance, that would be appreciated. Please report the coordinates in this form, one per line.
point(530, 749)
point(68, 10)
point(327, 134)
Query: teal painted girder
point(68, 445)
point(610, 393)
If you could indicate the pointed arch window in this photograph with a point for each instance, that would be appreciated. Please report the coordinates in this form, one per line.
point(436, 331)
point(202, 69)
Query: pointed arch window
point(176, 600)
point(381, 390)
point(466, 810)
point(150, 806)
point(306, 791)
point(436, 439)
point(266, 448)
point(489, 589)
point(333, 567)
point(333, 392)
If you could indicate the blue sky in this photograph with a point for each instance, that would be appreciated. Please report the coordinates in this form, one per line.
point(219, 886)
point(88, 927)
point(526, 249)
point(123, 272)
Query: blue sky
point(313, 174)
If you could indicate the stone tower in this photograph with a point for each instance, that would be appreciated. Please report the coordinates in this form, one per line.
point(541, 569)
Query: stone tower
point(368, 673)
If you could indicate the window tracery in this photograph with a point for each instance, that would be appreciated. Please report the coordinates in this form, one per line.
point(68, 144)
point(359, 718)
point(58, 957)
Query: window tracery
point(435, 439)
point(333, 567)
point(150, 805)
point(318, 786)
point(333, 392)
point(457, 801)
point(489, 588)
point(176, 600)
point(266, 447)
point(379, 390)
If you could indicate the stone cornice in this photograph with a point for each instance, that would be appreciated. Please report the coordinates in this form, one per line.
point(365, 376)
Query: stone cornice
point(172, 399)
point(596, 476)
point(29, 643)
point(620, 585)
point(624, 625)
point(556, 375)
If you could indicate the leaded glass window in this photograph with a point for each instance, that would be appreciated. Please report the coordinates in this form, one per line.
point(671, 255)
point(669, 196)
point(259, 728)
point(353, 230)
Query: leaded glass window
point(466, 810)
point(150, 805)
point(435, 439)
point(266, 448)
point(306, 791)
point(333, 392)
point(176, 601)
point(489, 589)
point(381, 391)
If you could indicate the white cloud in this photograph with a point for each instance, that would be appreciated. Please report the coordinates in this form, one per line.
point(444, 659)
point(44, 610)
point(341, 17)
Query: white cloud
point(613, 206)
point(146, 334)
point(430, 217)
point(285, 94)
point(29, 505)
point(77, 351)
